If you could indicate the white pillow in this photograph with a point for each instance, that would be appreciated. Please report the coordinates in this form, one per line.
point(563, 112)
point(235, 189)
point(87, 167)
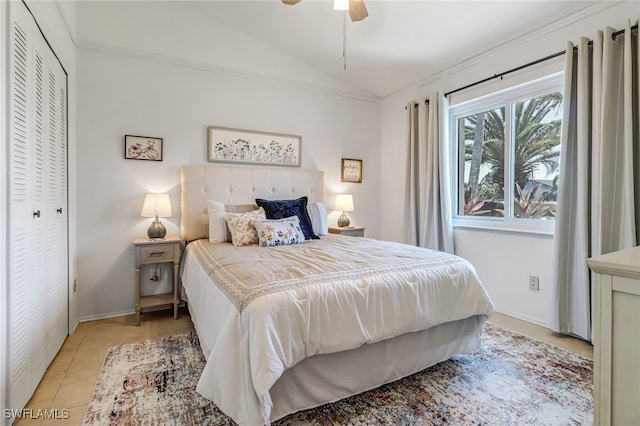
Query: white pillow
point(318, 215)
point(279, 232)
point(217, 224)
point(241, 226)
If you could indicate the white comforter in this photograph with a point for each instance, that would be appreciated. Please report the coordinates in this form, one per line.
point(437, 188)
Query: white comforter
point(276, 306)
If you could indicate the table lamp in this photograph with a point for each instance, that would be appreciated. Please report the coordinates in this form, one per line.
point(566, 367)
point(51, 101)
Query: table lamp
point(344, 203)
point(156, 205)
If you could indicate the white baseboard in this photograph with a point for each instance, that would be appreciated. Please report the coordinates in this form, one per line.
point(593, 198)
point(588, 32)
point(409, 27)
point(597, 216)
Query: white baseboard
point(74, 326)
point(108, 315)
point(105, 315)
point(520, 316)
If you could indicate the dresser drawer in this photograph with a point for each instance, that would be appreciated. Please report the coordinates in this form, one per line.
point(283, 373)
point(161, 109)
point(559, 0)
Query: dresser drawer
point(157, 253)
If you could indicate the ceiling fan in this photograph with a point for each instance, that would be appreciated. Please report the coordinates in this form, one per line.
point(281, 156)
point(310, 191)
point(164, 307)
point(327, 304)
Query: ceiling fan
point(357, 9)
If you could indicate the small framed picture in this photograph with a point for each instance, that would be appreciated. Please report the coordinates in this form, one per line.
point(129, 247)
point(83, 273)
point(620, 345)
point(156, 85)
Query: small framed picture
point(142, 148)
point(351, 170)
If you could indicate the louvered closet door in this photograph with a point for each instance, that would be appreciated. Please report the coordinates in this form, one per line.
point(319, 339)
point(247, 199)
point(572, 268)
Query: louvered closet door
point(38, 302)
point(23, 336)
point(55, 203)
point(38, 145)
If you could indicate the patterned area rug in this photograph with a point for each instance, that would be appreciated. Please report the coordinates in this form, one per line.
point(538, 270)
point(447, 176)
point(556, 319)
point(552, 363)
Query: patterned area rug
point(512, 380)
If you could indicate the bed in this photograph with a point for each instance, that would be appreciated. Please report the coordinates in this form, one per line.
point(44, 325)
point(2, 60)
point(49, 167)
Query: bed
point(292, 327)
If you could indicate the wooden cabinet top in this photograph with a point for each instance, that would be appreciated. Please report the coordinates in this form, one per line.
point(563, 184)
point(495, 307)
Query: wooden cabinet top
point(624, 263)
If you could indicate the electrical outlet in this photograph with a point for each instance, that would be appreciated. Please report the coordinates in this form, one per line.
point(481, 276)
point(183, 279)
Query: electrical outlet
point(534, 283)
point(154, 274)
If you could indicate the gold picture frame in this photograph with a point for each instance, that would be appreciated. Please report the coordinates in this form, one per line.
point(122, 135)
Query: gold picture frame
point(351, 170)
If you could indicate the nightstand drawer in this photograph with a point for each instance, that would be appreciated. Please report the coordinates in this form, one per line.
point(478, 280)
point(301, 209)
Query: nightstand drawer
point(157, 253)
point(353, 232)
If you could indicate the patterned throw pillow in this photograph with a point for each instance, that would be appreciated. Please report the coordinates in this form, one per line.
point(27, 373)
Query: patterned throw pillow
point(279, 232)
point(218, 229)
point(280, 209)
point(243, 233)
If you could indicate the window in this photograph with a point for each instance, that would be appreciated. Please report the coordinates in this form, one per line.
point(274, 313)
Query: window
point(508, 157)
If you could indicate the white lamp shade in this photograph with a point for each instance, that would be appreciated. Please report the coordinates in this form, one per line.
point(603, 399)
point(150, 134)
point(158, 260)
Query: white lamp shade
point(156, 205)
point(344, 202)
point(340, 4)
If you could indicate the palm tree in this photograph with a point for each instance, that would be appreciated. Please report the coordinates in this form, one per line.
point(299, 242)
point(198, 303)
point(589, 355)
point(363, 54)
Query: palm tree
point(536, 141)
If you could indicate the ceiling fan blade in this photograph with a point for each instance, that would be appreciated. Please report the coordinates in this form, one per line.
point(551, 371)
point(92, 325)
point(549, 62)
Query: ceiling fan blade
point(290, 2)
point(357, 10)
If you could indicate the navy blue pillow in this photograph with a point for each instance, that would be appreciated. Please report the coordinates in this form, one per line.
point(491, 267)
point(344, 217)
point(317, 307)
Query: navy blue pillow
point(279, 209)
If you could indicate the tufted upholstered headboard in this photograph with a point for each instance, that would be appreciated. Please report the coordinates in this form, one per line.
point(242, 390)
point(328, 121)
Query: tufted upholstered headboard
point(237, 185)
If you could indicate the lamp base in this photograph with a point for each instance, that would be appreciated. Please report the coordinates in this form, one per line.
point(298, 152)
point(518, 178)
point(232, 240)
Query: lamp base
point(343, 220)
point(156, 230)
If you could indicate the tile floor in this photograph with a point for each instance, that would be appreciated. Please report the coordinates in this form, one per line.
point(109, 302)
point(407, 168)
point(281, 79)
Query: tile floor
point(70, 378)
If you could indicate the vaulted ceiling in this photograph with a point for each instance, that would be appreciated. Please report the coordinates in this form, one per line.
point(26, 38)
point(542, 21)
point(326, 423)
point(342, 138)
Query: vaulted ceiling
point(401, 42)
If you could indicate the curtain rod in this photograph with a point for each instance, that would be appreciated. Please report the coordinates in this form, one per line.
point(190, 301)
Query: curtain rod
point(546, 58)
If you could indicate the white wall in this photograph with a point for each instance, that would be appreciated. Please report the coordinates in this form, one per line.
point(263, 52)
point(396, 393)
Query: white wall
point(119, 93)
point(504, 261)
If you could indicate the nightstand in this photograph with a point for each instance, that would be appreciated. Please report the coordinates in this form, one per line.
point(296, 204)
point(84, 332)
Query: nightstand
point(351, 231)
point(157, 251)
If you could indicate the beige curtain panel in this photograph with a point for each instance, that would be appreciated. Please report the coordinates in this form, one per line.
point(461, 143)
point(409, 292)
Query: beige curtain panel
point(598, 195)
point(428, 221)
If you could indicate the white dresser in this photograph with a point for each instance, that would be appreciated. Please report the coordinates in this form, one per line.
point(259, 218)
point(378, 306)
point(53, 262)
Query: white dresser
point(616, 354)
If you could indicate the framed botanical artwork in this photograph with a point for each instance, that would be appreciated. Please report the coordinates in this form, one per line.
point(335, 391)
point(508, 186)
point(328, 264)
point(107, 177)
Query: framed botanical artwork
point(226, 144)
point(142, 148)
point(351, 170)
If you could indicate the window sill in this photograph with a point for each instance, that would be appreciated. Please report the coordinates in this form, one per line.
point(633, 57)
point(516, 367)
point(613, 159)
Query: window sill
point(540, 227)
